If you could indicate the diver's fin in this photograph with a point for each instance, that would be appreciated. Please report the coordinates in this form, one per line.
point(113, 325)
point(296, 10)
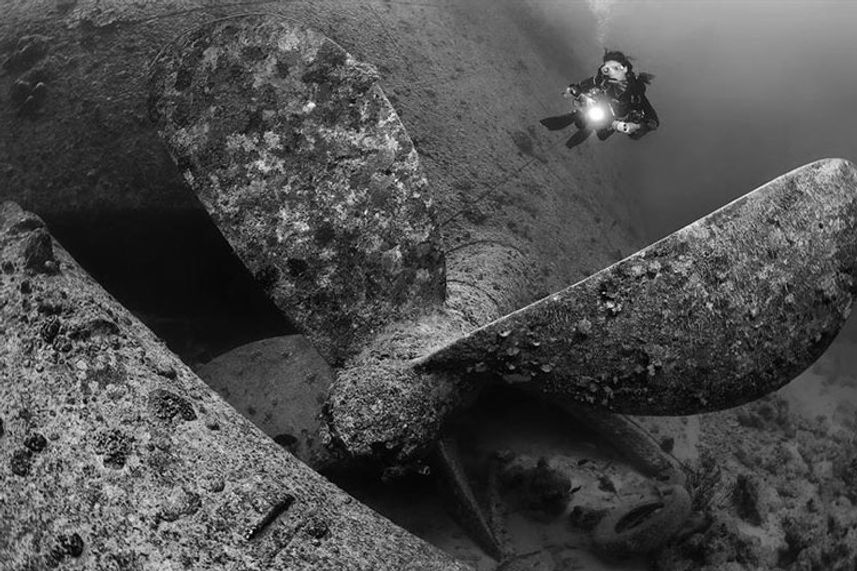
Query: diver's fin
point(714, 315)
point(558, 122)
point(578, 138)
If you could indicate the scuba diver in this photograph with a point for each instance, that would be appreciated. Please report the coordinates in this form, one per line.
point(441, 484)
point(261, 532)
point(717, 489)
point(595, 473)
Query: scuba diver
point(613, 100)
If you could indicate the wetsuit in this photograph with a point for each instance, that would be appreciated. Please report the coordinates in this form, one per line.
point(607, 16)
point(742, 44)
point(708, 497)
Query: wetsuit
point(629, 103)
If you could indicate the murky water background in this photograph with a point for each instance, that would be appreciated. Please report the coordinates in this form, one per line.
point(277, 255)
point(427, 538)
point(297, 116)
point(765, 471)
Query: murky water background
point(746, 91)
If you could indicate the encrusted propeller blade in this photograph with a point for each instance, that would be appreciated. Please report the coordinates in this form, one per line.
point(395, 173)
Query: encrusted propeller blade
point(113, 450)
point(307, 170)
point(717, 314)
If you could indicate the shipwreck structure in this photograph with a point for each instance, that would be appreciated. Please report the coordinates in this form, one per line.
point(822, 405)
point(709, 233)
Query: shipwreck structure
point(116, 454)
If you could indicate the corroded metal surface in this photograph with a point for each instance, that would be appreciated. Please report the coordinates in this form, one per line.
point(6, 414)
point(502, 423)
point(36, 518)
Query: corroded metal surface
point(717, 314)
point(114, 455)
point(466, 507)
point(308, 172)
point(636, 445)
point(380, 406)
point(270, 142)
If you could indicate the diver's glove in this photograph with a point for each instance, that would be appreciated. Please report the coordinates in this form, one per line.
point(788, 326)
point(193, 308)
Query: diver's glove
point(571, 91)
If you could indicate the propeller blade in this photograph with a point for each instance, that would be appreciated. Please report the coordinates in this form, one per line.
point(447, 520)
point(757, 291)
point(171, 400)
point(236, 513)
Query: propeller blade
point(719, 313)
point(305, 167)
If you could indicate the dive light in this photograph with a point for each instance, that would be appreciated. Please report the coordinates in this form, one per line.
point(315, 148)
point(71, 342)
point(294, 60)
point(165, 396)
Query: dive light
point(596, 113)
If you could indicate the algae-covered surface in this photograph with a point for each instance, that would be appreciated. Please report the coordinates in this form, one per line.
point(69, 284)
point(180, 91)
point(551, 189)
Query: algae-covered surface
point(717, 314)
point(307, 170)
point(113, 453)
